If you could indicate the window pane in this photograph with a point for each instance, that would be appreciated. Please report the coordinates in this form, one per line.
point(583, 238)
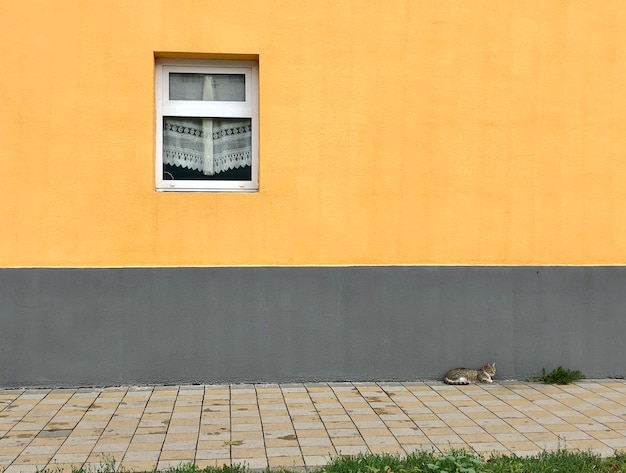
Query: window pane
point(208, 87)
point(207, 148)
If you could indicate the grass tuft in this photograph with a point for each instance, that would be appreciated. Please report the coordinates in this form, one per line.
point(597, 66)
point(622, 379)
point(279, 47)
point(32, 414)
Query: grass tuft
point(559, 375)
point(561, 461)
point(453, 461)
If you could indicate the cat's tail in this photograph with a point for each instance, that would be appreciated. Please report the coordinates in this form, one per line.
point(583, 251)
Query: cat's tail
point(461, 380)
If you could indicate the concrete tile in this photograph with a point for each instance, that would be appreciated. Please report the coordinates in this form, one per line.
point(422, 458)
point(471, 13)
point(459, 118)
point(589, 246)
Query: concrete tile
point(286, 451)
point(455, 420)
point(247, 435)
point(125, 432)
point(511, 437)
point(144, 446)
point(404, 431)
point(19, 437)
point(220, 435)
point(312, 461)
point(61, 467)
point(317, 441)
point(77, 448)
point(253, 463)
point(430, 421)
point(483, 447)
point(255, 443)
point(149, 437)
point(211, 463)
point(7, 459)
point(576, 435)
point(430, 431)
point(413, 440)
point(469, 430)
point(321, 451)
point(24, 468)
point(380, 440)
point(342, 441)
point(29, 426)
point(370, 424)
point(616, 425)
point(352, 450)
point(282, 427)
point(605, 434)
point(247, 453)
point(248, 427)
point(542, 437)
point(41, 459)
point(82, 432)
point(286, 434)
point(115, 438)
point(383, 448)
point(180, 455)
point(12, 450)
point(497, 429)
point(618, 443)
point(445, 439)
point(519, 445)
point(70, 458)
point(334, 433)
point(179, 445)
point(530, 427)
point(170, 464)
point(40, 449)
point(285, 461)
point(110, 447)
point(446, 409)
point(399, 424)
point(549, 420)
point(181, 437)
point(130, 465)
point(589, 444)
point(280, 443)
point(307, 425)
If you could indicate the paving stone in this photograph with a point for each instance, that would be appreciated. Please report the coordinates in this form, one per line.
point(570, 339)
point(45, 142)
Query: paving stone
point(286, 461)
point(301, 425)
point(130, 465)
point(180, 455)
point(70, 458)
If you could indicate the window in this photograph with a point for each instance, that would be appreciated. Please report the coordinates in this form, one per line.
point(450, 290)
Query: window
point(206, 125)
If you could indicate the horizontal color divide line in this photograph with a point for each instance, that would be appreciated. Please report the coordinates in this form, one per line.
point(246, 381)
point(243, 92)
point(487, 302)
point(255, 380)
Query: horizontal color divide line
point(407, 265)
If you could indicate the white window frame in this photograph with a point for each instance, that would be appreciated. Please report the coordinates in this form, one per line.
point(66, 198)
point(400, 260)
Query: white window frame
point(206, 109)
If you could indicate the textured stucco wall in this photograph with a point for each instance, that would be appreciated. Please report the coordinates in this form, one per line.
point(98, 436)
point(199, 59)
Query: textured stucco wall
point(395, 132)
point(160, 325)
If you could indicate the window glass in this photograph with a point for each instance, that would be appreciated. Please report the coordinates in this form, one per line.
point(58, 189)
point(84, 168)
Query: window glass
point(207, 148)
point(207, 87)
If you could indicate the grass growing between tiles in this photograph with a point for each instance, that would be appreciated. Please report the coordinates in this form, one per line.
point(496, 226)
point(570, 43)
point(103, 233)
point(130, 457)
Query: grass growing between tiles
point(559, 375)
point(454, 461)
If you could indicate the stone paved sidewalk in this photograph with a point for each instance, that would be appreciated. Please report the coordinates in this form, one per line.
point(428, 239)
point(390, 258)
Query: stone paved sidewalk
point(297, 425)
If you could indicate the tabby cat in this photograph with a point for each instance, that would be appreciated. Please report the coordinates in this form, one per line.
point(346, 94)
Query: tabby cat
point(467, 376)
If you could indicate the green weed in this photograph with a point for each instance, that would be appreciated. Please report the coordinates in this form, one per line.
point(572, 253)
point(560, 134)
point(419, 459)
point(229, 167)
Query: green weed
point(559, 375)
point(454, 461)
point(561, 461)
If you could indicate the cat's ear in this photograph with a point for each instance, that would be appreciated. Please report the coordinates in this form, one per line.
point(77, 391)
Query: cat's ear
point(493, 364)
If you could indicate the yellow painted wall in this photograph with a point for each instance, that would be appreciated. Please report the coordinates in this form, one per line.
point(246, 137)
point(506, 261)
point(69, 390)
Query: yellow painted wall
point(392, 132)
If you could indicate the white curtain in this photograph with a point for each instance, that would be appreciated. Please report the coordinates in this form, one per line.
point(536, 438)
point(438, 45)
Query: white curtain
point(208, 145)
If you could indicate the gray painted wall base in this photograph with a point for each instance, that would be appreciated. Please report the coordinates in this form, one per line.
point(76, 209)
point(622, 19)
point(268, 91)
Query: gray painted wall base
point(83, 327)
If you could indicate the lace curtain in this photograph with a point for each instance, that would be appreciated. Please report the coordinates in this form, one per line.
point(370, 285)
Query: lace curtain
point(208, 145)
